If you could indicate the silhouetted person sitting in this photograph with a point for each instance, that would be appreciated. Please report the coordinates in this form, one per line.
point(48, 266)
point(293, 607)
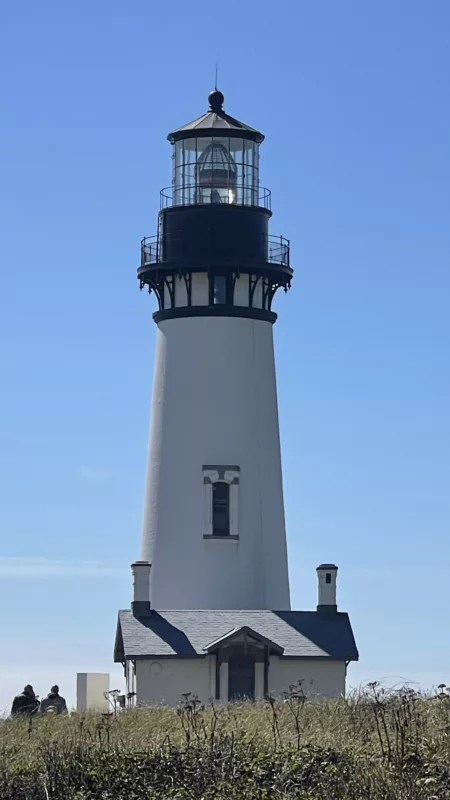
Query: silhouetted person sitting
point(26, 702)
point(54, 703)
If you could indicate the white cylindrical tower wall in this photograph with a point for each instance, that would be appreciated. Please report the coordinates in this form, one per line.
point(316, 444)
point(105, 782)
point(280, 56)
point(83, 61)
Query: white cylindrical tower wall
point(214, 416)
point(327, 577)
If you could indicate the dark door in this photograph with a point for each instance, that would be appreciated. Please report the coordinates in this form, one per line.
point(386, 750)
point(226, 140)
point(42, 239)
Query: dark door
point(241, 677)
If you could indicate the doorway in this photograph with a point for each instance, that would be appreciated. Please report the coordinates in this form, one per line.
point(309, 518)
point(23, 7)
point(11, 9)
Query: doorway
point(241, 677)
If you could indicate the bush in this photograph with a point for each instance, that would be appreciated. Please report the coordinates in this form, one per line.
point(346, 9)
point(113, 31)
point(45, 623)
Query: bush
point(376, 745)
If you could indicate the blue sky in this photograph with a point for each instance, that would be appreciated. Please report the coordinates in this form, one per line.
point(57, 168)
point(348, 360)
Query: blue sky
point(353, 100)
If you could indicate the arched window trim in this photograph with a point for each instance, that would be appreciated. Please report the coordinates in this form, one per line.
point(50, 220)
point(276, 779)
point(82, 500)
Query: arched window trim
point(221, 474)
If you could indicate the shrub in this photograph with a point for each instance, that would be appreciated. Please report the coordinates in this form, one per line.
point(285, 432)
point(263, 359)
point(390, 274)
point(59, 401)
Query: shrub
point(376, 745)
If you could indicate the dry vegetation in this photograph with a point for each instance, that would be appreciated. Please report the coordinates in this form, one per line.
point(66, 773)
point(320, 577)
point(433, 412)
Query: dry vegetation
point(376, 745)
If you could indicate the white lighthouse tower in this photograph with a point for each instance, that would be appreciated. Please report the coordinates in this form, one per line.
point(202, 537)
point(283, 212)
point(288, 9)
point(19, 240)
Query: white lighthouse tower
point(214, 527)
point(210, 612)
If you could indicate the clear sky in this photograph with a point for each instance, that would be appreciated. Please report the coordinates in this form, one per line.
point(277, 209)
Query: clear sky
point(353, 98)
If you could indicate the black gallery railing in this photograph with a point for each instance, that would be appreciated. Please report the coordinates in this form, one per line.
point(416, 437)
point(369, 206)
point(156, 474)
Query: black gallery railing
point(225, 194)
point(275, 250)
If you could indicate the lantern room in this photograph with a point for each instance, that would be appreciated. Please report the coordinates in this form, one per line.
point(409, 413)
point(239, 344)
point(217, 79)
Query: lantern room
point(215, 159)
point(213, 252)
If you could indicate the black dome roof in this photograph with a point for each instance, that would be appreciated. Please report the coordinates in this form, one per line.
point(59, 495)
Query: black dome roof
point(215, 123)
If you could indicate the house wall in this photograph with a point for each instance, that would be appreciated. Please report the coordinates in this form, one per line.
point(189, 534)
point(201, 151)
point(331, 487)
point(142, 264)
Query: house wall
point(165, 681)
point(325, 677)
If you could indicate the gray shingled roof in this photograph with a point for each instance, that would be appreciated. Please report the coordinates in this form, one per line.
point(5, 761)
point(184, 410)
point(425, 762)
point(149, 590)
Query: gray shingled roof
point(301, 634)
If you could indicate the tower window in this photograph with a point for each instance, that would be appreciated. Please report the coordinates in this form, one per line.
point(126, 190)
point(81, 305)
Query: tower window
point(220, 290)
point(221, 499)
point(221, 508)
point(328, 577)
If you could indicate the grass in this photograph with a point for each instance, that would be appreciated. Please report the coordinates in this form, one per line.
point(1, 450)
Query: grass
point(376, 745)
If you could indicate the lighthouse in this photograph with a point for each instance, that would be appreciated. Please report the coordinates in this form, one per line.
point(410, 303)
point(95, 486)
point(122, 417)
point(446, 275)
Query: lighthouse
point(214, 527)
point(210, 612)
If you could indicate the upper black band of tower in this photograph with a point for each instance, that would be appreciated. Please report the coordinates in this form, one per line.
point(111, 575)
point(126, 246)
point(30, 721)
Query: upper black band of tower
point(221, 238)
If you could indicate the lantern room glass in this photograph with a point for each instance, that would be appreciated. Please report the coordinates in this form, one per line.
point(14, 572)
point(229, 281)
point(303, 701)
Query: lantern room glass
point(215, 169)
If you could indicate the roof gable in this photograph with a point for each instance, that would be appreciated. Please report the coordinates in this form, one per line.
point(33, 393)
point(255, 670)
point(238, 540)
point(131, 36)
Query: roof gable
point(244, 633)
point(119, 650)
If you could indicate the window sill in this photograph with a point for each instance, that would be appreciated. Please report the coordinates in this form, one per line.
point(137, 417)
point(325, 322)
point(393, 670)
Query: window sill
point(220, 538)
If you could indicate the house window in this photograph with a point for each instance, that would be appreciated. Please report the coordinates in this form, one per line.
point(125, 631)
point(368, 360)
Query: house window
point(328, 577)
point(221, 508)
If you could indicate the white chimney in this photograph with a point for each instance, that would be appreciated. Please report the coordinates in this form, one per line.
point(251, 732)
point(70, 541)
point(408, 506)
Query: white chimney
point(141, 588)
point(327, 574)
